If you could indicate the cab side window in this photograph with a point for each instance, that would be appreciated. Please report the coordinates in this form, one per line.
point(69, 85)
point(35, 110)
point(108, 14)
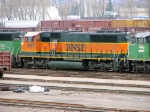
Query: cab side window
point(141, 40)
point(30, 38)
point(136, 40)
point(148, 39)
point(38, 38)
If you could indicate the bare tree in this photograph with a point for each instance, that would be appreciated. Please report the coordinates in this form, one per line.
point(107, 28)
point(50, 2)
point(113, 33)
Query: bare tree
point(64, 9)
point(148, 7)
point(81, 8)
point(95, 8)
point(43, 6)
point(98, 8)
point(129, 8)
point(2, 11)
point(8, 8)
point(25, 9)
point(102, 4)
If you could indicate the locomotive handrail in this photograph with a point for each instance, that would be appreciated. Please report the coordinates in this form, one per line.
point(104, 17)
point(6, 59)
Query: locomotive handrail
point(118, 57)
point(18, 51)
point(8, 48)
point(114, 54)
point(12, 50)
point(85, 52)
point(126, 53)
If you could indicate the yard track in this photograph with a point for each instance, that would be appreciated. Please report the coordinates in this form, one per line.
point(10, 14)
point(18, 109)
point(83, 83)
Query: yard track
point(56, 105)
point(81, 74)
point(79, 81)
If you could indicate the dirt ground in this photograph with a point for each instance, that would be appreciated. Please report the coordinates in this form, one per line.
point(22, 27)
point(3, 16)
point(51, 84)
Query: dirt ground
point(108, 100)
point(28, 109)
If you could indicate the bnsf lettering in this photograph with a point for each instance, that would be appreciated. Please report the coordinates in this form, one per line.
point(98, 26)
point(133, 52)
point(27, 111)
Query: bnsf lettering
point(30, 45)
point(75, 47)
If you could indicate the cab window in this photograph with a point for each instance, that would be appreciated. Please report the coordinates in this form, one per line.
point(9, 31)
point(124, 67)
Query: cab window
point(38, 38)
point(30, 38)
point(22, 39)
point(136, 40)
point(141, 40)
point(148, 39)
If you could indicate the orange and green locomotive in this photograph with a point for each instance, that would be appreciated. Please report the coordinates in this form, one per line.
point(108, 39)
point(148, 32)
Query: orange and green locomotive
point(102, 50)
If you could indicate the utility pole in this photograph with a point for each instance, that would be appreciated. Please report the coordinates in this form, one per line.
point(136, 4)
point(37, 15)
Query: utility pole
point(149, 8)
point(4, 3)
point(131, 8)
point(80, 9)
point(103, 8)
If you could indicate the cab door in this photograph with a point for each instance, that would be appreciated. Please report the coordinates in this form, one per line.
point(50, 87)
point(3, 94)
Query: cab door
point(54, 46)
point(37, 43)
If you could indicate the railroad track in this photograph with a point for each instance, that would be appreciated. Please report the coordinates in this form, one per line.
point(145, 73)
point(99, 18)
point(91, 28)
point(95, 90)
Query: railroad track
point(56, 105)
point(82, 87)
point(72, 105)
point(4, 87)
point(41, 79)
point(80, 84)
point(14, 99)
point(82, 74)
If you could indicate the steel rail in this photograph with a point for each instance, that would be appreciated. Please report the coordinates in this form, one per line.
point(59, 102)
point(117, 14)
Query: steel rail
point(57, 105)
point(25, 86)
point(77, 73)
point(75, 82)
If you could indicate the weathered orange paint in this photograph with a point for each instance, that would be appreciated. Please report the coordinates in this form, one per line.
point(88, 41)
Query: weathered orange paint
point(31, 46)
point(88, 47)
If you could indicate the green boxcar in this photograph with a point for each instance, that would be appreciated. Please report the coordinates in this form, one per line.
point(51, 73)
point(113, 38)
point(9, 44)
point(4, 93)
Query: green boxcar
point(139, 52)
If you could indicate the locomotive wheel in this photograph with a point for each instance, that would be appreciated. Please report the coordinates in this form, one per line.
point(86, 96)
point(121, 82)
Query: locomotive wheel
point(15, 65)
point(95, 69)
point(121, 70)
point(136, 69)
point(103, 68)
point(1, 74)
point(25, 65)
point(147, 70)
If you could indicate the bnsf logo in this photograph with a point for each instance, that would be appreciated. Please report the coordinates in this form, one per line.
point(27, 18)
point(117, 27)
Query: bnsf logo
point(75, 47)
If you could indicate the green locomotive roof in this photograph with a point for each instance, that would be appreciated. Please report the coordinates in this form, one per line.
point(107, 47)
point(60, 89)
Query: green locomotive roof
point(110, 31)
point(142, 35)
point(9, 36)
point(9, 32)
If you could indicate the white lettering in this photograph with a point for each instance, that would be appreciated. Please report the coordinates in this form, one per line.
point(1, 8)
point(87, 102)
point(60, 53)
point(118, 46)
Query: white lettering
point(2, 46)
point(141, 49)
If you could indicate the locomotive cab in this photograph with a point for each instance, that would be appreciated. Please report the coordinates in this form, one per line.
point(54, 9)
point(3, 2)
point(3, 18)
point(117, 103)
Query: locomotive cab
point(35, 45)
point(31, 43)
point(30, 47)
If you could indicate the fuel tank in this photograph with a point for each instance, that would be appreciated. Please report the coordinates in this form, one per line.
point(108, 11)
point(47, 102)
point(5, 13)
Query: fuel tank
point(67, 65)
